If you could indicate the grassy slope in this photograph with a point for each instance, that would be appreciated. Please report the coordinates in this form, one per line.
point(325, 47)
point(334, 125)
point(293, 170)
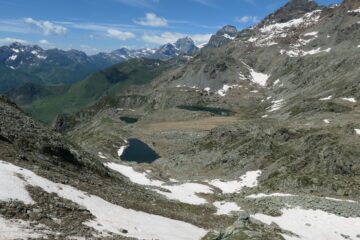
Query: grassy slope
point(110, 81)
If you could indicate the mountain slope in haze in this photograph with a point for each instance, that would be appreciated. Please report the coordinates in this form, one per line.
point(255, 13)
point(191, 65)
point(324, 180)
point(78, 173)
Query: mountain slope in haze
point(111, 81)
point(45, 67)
point(23, 64)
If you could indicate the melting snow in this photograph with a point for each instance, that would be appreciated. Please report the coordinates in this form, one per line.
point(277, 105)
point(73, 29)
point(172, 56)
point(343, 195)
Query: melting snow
point(186, 192)
point(276, 82)
point(122, 149)
point(228, 36)
point(256, 77)
point(327, 121)
point(242, 76)
point(13, 57)
point(134, 176)
point(277, 104)
point(225, 208)
point(326, 98)
point(247, 180)
point(18, 229)
point(259, 78)
point(263, 195)
point(357, 131)
point(222, 92)
point(311, 34)
point(138, 224)
point(339, 200)
point(15, 50)
point(301, 53)
point(354, 11)
point(279, 30)
point(101, 155)
point(313, 224)
point(350, 99)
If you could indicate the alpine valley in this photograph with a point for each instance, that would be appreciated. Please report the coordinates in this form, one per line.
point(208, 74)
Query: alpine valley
point(254, 135)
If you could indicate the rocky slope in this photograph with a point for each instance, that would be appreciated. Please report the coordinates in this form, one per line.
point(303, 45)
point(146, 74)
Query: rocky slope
point(56, 196)
point(258, 136)
point(281, 97)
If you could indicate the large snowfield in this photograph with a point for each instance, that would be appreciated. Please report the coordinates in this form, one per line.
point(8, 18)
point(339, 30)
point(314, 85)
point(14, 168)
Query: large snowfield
point(314, 224)
point(108, 217)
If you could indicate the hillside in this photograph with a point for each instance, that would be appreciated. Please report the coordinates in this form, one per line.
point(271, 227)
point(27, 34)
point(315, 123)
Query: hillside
point(255, 136)
point(281, 97)
point(111, 81)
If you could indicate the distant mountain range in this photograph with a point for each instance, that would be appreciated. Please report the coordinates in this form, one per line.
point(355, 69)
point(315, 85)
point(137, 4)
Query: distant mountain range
point(22, 64)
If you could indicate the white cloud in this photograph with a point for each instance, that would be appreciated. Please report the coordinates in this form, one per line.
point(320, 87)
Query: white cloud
point(171, 37)
point(152, 20)
point(47, 27)
point(12, 40)
point(89, 50)
point(120, 35)
point(246, 19)
point(44, 42)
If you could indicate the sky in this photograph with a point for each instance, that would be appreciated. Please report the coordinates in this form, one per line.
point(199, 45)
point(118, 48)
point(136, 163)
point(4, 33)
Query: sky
point(96, 26)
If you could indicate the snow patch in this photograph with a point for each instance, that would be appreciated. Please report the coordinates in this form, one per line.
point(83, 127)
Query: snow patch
point(349, 99)
point(263, 195)
point(276, 105)
point(357, 131)
point(311, 34)
point(280, 30)
point(326, 98)
point(138, 224)
point(276, 82)
point(340, 200)
point(186, 192)
point(249, 179)
point(122, 149)
point(222, 92)
point(101, 155)
point(354, 11)
point(13, 57)
point(225, 208)
point(228, 36)
point(134, 176)
point(259, 78)
point(15, 50)
point(313, 224)
point(327, 121)
point(19, 229)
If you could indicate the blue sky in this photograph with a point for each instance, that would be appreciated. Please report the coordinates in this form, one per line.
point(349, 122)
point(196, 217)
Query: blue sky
point(104, 25)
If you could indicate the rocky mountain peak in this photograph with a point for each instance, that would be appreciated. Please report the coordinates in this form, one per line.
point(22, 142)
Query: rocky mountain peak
point(186, 46)
point(228, 29)
point(292, 10)
point(225, 35)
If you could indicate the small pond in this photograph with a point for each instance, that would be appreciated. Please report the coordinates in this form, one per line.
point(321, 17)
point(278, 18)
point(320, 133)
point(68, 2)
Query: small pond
point(214, 110)
point(129, 119)
point(139, 152)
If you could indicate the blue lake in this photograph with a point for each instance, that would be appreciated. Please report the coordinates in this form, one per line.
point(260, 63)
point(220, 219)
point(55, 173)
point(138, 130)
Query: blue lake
point(139, 152)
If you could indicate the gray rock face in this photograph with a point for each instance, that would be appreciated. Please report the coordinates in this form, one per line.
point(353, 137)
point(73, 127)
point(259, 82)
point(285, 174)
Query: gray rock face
point(222, 37)
point(293, 9)
point(186, 46)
